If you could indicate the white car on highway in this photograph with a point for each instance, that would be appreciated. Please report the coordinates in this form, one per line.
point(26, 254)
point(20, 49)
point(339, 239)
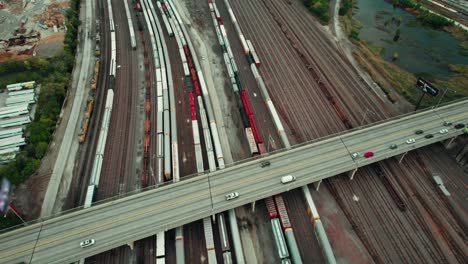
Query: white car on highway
point(87, 243)
point(231, 196)
point(287, 179)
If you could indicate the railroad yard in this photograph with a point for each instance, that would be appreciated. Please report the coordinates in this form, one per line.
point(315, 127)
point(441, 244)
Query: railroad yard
point(183, 88)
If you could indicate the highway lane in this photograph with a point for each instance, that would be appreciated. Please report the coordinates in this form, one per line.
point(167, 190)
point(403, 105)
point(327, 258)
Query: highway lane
point(121, 221)
point(146, 214)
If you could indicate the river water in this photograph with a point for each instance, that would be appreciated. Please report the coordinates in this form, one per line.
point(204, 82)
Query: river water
point(421, 50)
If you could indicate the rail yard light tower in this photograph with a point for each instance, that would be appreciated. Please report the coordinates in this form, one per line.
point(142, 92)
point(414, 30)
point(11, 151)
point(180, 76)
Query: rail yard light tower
point(442, 97)
point(271, 141)
point(365, 115)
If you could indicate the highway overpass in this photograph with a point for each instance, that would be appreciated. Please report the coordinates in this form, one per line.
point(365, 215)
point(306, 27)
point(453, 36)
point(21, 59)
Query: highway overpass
point(122, 221)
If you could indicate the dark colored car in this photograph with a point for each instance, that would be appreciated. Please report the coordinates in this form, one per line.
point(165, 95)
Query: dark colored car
point(265, 164)
point(429, 136)
point(446, 123)
point(393, 146)
point(458, 126)
point(418, 132)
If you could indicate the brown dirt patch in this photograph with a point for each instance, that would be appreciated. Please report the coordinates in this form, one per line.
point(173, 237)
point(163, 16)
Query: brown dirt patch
point(57, 37)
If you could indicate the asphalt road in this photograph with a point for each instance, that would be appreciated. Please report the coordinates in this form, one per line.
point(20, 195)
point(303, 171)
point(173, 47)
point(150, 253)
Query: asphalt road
point(125, 220)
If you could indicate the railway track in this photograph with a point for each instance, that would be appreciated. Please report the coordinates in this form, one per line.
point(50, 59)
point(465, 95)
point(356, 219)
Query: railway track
point(338, 100)
point(118, 172)
point(84, 165)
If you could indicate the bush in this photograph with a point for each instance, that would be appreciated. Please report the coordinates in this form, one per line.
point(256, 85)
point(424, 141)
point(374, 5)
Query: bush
point(346, 6)
point(354, 34)
point(319, 8)
point(434, 20)
point(427, 18)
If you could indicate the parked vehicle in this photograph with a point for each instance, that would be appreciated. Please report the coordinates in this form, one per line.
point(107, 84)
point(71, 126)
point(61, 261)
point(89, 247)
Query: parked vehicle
point(287, 179)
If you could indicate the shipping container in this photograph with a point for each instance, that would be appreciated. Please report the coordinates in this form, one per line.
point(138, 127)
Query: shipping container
point(283, 213)
point(251, 140)
point(271, 207)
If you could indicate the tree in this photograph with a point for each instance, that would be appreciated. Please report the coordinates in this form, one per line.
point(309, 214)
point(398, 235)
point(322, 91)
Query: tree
point(41, 149)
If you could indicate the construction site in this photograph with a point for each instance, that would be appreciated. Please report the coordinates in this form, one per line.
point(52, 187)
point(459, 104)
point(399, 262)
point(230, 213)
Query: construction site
point(31, 28)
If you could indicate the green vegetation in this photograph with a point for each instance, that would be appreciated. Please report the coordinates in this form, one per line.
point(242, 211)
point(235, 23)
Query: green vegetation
point(427, 18)
point(403, 82)
point(319, 8)
point(346, 7)
point(354, 33)
point(54, 74)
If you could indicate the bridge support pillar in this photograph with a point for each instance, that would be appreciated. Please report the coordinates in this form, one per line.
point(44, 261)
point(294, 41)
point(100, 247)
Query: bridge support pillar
point(449, 143)
point(213, 218)
point(317, 185)
point(131, 244)
point(462, 153)
point(400, 159)
point(253, 207)
point(351, 173)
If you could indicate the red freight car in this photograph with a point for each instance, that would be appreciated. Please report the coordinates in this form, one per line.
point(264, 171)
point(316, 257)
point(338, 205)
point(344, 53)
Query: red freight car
point(270, 204)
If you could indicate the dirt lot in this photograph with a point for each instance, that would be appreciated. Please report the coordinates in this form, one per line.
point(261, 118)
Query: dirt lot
point(35, 22)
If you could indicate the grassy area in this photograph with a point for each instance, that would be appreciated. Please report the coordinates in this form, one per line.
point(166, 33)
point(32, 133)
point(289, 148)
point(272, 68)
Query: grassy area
point(403, 82)
point(54, 75)
point(395, 78)
point(392, 78)
point(320, 8)
point(425, 17)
